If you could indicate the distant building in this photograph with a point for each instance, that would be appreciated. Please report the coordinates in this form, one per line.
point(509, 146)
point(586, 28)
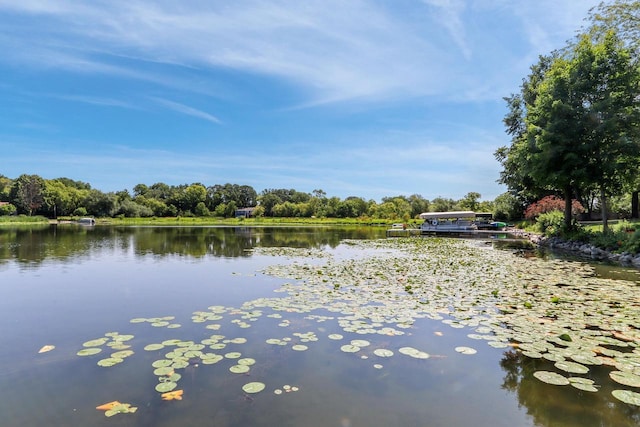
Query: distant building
point(245, 212)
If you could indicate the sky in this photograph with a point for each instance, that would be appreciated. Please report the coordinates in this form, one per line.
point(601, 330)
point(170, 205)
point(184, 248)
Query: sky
point(366, 98)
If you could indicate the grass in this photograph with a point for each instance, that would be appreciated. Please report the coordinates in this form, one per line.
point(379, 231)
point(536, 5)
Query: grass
point(195, 221)
point(22, 219)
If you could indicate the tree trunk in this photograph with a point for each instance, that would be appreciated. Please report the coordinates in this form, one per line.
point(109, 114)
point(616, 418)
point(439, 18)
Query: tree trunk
point(634, 204)
point(567, 208)
point(603, 210)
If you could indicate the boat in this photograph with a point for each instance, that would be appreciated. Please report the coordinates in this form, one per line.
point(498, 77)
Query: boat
point(455, 222)
point(87, 221)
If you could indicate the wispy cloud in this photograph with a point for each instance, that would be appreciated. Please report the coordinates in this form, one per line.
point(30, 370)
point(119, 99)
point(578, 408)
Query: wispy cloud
point(185, 109)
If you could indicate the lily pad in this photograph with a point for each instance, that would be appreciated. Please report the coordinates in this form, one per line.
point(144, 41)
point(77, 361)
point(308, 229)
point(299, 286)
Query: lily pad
point(246, 361)
point(335, 337)
point(95, 343)
point(153, 347)
point(551, 378)
point(299, 347)
point(163, 370)
point(625, 378)
point(166, 386)
point(627, 396)
point(110, 361)
point(383, 352)
point(571, 367)
point(466, 350)
point(583, 384)
point(89, 351)
point(239, 369)
point(349, 348)
point(233, 355)
point(253, 387)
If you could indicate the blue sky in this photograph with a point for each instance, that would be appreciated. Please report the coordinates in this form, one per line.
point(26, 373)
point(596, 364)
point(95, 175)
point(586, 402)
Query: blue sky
point(368, 98)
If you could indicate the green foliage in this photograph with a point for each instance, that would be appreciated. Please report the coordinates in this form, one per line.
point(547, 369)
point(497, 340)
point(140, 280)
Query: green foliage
point(7, 209)
point(507, 207)
point(81, 211)
point(27, 193)
point(550, 223)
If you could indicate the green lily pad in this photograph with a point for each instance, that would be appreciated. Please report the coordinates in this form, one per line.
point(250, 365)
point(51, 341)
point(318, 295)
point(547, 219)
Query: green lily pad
point(163, 370)
point(161, 363)
point(466, 350)
point(211, 360)
point(239, 369)
point(165, 387)
point(335, 337)
point(414, 352)
point(583, 384)
point(233, 355)
point(253, 387)
point(571, 367)
point(179, 363)
point(95, 343)
point(153, 347)
point(383, 352)
point(122, 354)
point(625, 378)
point(110, 361)
point(247, 361)
point(89, 351)
point(551, 378)
point(349, 348)
point(299, 347)
point(627, 396)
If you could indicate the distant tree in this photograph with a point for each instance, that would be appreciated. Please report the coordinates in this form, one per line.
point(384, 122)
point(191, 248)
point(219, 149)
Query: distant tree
point(201, 209)
point(5, 188)
point(507, 207)
point(28, 193)
point(100, 204)
point(470, 201)
point(140, 190)
point(441, 204)
point(8, 209)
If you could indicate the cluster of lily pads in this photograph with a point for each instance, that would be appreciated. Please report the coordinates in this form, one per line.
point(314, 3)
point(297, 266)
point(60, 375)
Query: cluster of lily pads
point(554, 310)
point(113, 340)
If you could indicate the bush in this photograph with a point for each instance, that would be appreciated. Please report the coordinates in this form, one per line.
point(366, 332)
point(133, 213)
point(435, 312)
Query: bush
point(80, 211)
point(550, 223)
point(549, 204)
point(8, 209)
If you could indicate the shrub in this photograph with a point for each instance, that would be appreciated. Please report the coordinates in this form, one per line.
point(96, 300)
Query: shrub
point(550, 223)
point(81, 211)
point(549, 204)
point(8, 209)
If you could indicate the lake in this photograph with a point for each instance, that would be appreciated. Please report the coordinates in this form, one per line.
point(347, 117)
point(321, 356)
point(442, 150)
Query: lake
point(313, 326)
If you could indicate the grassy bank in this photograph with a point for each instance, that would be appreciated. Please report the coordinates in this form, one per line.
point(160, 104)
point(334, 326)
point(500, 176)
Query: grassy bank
point(235, 222)
point(22, 219)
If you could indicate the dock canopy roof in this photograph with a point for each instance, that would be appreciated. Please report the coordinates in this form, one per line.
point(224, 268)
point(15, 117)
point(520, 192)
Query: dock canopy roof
point(445, 215)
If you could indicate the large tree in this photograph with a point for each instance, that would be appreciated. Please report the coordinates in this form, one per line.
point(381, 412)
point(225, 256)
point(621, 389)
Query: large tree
point(575, 125)
point(28, 193)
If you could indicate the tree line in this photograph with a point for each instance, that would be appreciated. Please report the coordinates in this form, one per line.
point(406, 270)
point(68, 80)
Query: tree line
point(34, 195)
point(575, 124)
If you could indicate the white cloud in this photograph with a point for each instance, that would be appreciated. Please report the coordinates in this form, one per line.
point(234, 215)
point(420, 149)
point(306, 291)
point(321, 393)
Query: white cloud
point(185, 109)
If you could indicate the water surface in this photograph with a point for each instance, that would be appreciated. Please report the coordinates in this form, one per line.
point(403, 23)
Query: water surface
point(67, 285)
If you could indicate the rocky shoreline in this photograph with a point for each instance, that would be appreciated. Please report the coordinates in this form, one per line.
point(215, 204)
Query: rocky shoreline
point(583, 249)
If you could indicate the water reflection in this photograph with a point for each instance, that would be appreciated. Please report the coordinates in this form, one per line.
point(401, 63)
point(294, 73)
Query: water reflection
point(30, 246)
point(551, 405)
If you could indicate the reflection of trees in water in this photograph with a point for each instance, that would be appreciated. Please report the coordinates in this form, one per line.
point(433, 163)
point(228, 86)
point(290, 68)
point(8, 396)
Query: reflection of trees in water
point(34, 245)
point(565, 406)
